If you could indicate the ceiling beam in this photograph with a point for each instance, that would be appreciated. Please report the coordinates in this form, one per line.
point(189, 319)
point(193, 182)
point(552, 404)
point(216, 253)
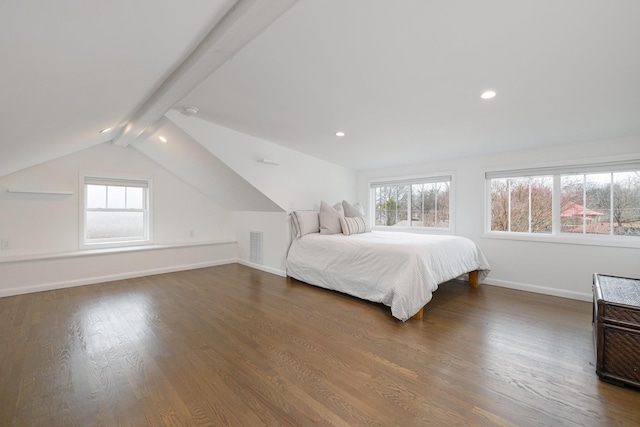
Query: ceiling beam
point(244, 21)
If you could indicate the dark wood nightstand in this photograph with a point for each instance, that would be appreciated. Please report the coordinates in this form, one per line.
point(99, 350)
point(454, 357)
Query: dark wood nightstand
point(616, 329)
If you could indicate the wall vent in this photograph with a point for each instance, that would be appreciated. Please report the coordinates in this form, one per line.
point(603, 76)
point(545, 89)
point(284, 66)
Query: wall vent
point(255, 247)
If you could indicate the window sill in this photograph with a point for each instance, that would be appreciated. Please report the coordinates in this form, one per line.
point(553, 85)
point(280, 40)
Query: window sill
point(114, 244)
point(107, 251)
point(607, 241)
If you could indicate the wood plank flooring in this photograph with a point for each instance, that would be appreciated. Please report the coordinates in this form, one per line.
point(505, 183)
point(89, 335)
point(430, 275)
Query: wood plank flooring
point(233, 346)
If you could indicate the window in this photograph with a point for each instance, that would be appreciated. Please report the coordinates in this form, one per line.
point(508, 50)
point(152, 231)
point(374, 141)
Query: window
point(601, 203)
point(115, 211)
point(522, 204)
point(595, 199)
point(420, 203)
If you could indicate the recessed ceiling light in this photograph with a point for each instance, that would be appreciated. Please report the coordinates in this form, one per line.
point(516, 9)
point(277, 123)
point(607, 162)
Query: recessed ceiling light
point(340, 133)
point(488, 94)
point(105, 130)
point(163, 139)
point(190, 111)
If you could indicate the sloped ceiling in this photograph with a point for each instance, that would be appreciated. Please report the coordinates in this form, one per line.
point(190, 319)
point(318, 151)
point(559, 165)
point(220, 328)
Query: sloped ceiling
point(71, 68)
point(203, 171)
point(402, 79)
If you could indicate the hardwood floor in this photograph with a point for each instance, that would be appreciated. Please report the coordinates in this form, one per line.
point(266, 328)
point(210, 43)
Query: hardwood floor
point(234, 346)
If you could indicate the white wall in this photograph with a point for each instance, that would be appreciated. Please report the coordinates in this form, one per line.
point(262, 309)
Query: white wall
point(183, 219)
point(276, 238)
point(298, 182)
point(552, 268)
point(46, 273)
point(48, 224)
point(185, 157)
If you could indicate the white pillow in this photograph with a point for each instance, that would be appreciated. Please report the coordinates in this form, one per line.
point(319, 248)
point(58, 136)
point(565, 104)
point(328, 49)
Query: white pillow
point(352, 210)
point(354, 225)
point(338, 207)
point(305, 222)
point(330, 218)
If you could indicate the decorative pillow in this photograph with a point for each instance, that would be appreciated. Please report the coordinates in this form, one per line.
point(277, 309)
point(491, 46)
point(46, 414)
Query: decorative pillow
point(352, 210)
point(354, 225)
point(330, 218)
point(305, 222)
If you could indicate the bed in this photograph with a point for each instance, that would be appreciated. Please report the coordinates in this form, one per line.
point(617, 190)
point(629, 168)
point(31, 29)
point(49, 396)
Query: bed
point(400, 270)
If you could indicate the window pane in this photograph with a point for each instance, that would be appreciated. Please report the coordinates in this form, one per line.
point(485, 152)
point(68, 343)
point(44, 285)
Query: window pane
point(116, 197)
point(392, 205)
point(135, 198)
point(96, 196)
point(522, 204)
point(105, 225)
point(417, 204)
point(499, 205)
point(597, 215)
point(423, 204)
point(626, 204)
point(430, 205)
point(402, 205)
point(377, 206)
point(586, 204)
point(542, 204)
point(519, 204)
point(571, 203)
point(442, 206)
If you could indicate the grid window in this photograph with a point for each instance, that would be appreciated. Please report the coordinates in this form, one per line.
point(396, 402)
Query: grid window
point(420, 203)
point(522, 204)
point(601, 203)
point(601, 200)
point(115, 211)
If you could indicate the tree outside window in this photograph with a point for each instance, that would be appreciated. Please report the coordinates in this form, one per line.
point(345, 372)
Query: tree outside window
point(522, 204)
point(423, 204)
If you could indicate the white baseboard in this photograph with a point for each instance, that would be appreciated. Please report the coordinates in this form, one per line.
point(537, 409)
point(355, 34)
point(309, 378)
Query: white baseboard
point(141, 273)
point(110, 278)
point(262, 267)
point(539, 289)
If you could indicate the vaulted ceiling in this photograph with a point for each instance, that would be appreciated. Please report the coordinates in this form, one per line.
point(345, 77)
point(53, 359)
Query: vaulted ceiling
point(402, 79)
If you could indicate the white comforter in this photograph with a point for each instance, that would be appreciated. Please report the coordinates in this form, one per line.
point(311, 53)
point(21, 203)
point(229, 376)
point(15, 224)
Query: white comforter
point(400, 270)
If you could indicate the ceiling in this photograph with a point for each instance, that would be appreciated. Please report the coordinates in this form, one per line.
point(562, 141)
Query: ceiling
point(71, 68)
point(401, 79)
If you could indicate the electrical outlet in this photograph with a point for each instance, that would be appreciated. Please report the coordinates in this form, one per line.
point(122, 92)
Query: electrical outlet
point(192, 233)
point(4, 244)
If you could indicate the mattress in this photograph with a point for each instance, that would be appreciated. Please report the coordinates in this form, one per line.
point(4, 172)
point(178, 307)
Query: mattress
point(400, 270)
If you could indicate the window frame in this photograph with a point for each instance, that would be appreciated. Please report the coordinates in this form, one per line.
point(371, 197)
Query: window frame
point(556, 171)
point(145, 182)
point(408, 180)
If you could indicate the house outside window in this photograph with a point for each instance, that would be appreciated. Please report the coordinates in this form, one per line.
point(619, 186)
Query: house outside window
point(601, 203)
point(589, 200)
point(115, 211)
point(422, 203)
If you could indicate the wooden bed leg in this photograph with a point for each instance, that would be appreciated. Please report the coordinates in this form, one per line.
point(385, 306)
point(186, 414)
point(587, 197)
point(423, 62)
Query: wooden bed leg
point(419, 314)
point(473, 278)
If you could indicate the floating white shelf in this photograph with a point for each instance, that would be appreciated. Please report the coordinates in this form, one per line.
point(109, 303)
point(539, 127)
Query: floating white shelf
point(54, 192)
